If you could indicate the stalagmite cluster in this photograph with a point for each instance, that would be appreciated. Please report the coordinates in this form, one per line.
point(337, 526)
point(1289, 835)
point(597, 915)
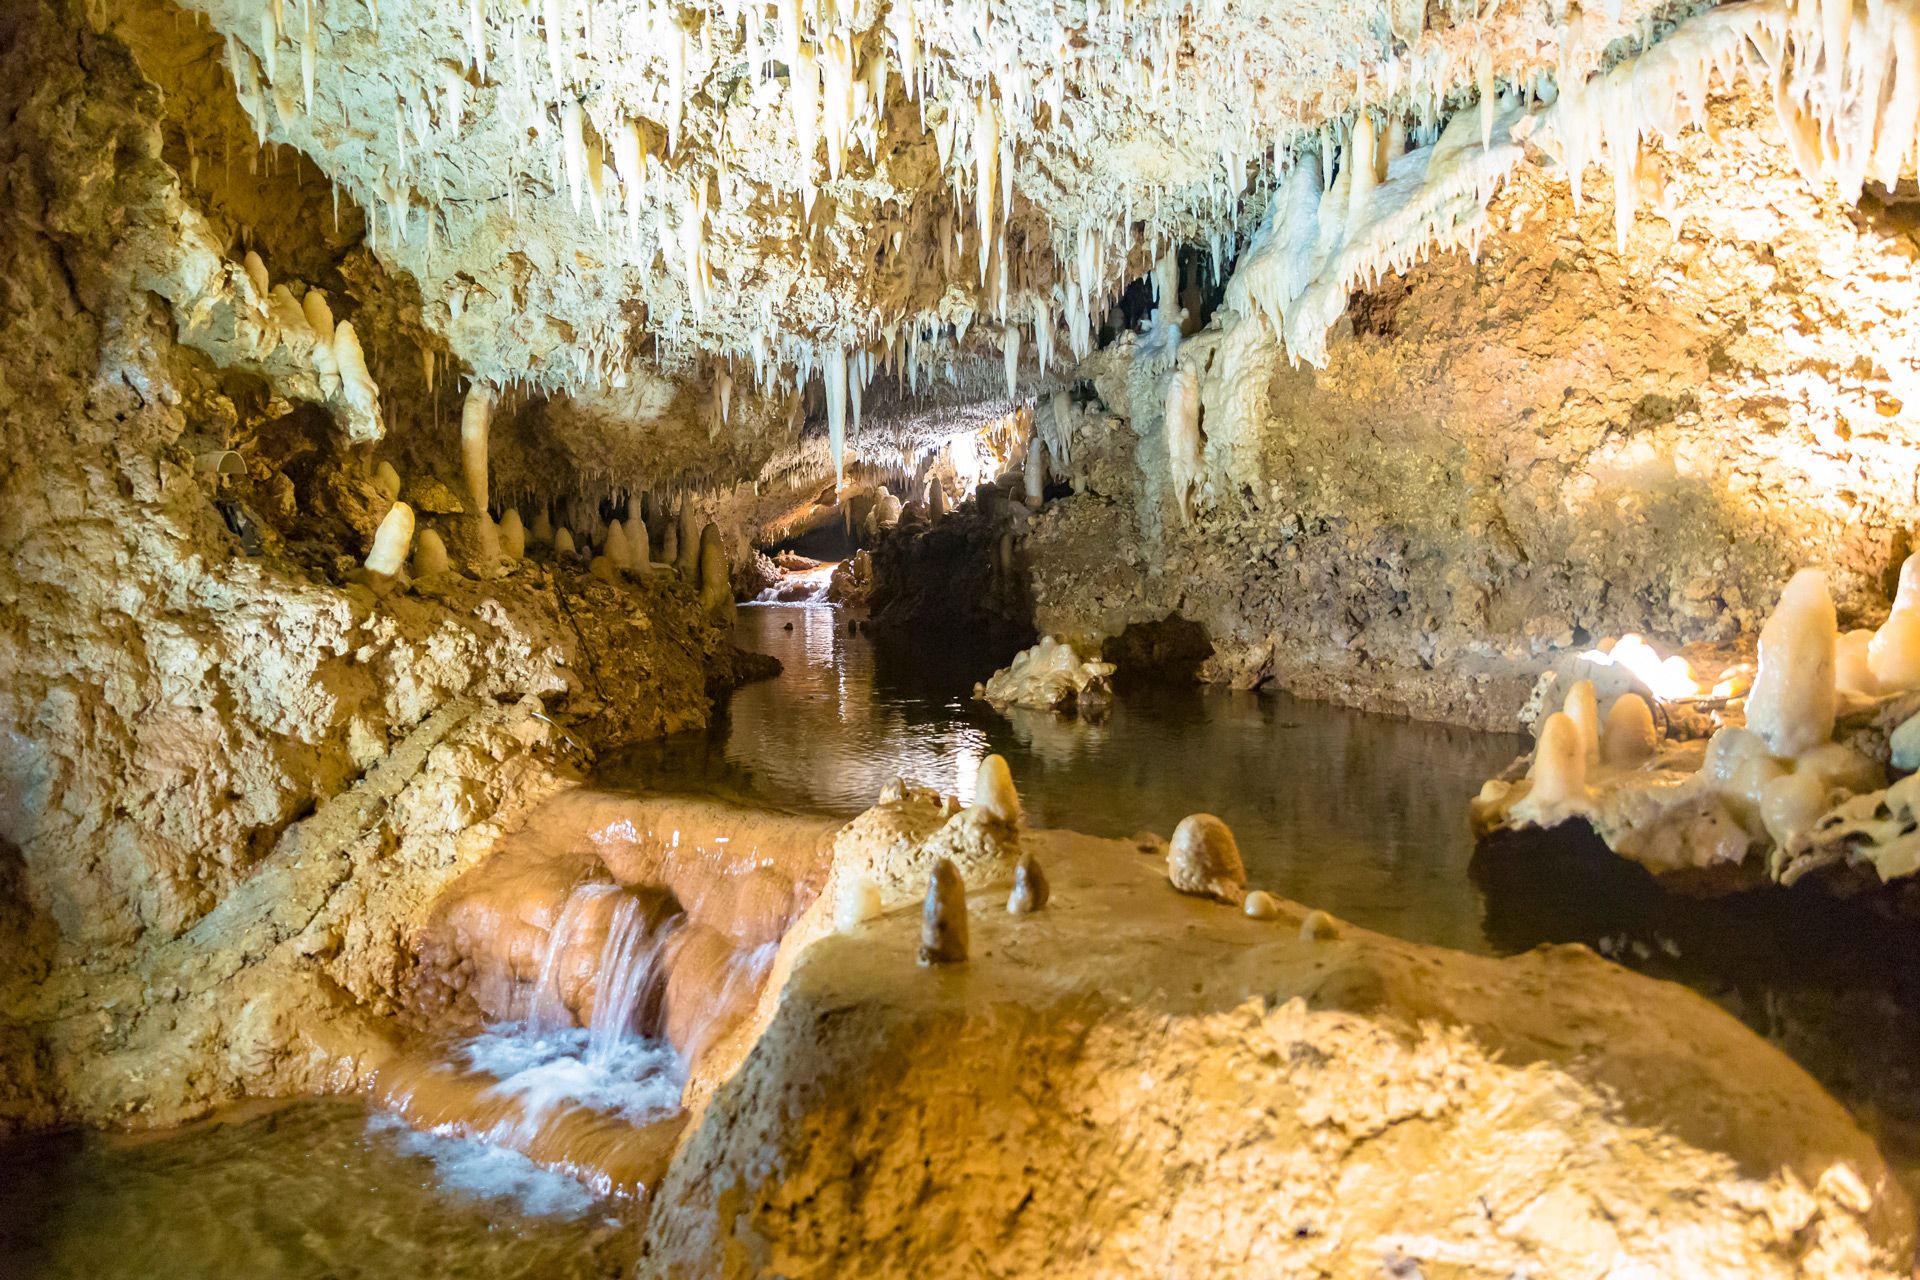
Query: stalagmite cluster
point(1776, 793)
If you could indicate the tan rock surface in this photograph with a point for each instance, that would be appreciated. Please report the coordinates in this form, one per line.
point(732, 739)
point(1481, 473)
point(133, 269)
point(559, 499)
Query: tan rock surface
point(1138, 1083)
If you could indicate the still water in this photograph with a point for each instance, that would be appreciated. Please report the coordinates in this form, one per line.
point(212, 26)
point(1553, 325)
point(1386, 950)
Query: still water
point(1364, 816)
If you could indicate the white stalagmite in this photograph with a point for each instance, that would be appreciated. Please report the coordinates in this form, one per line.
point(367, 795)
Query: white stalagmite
point(475, 414)
point(429, 555)
point(1583, 708)
point(1630, 737)
point(1559, 769)
point(319, 318)
point(1893, 655)
point(1792, 702)
point(513, 535)
point(637, 548)
point(356, 384)
point(391, 540)
point(1183, 438)
point(993, 792)
point(387, 480)
point(562, 541)
point(1853, 664)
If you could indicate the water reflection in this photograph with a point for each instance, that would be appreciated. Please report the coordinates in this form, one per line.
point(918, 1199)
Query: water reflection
point(1363, 815)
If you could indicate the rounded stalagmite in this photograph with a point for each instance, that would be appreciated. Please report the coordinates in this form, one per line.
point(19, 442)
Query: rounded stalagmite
point(1030, 888)
point(1204, 860)
point(1631, 738)
point(1559, 769)
point(429, 554)
point(391, 541)
point(943, 921)
point(993, 791)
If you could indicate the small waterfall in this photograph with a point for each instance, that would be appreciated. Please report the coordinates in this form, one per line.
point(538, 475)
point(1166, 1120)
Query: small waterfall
point(549, 1011)
point(745, 972)
point(629, 977)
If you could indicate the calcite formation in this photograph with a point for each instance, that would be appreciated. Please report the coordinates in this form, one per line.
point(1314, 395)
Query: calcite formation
point(1788, 787)
point(1354, 1098)
point(1050, 676)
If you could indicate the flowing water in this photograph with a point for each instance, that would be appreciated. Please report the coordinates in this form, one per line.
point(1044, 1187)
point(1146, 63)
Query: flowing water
point(1362, 815)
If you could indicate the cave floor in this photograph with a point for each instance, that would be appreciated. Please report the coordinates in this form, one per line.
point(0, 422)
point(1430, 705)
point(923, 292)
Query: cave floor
point(1361, 815)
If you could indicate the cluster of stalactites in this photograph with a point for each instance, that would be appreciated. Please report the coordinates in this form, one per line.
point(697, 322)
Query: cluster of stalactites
point(618, 153)
point(1844, 82)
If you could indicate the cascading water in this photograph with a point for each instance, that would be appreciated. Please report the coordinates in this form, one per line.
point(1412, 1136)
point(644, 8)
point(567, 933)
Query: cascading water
point(592, 1100)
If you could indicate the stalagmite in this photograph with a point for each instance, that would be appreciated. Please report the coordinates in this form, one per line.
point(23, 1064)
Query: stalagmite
point(1035, 476)
point(943, 918)
point(1559, 770)
point(686, 561)
point(320, 320)
point(1792, 703)
point(936, 500)
point(1583, 708)
point(429, 555)
point(616, 547)
point(1261, 905)
point(716, 579)
point(637, 547)
point(386, 480)
point(474, 416)
point(562, 542)
point(1853, 664)
point(513, 535)
point(1030, 888)
point(1630, 737)
point(993, 792)
point(1893, 655)
point(1203, 859)
point(391, 541)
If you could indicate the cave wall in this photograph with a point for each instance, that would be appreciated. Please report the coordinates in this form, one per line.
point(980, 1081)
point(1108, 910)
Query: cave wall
point(1509, 458)
point(232, 773)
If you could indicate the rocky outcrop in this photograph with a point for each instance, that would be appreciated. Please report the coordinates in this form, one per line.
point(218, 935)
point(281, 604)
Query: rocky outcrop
point(1133, 1082)
point(1511, 455)
point(236, 768)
